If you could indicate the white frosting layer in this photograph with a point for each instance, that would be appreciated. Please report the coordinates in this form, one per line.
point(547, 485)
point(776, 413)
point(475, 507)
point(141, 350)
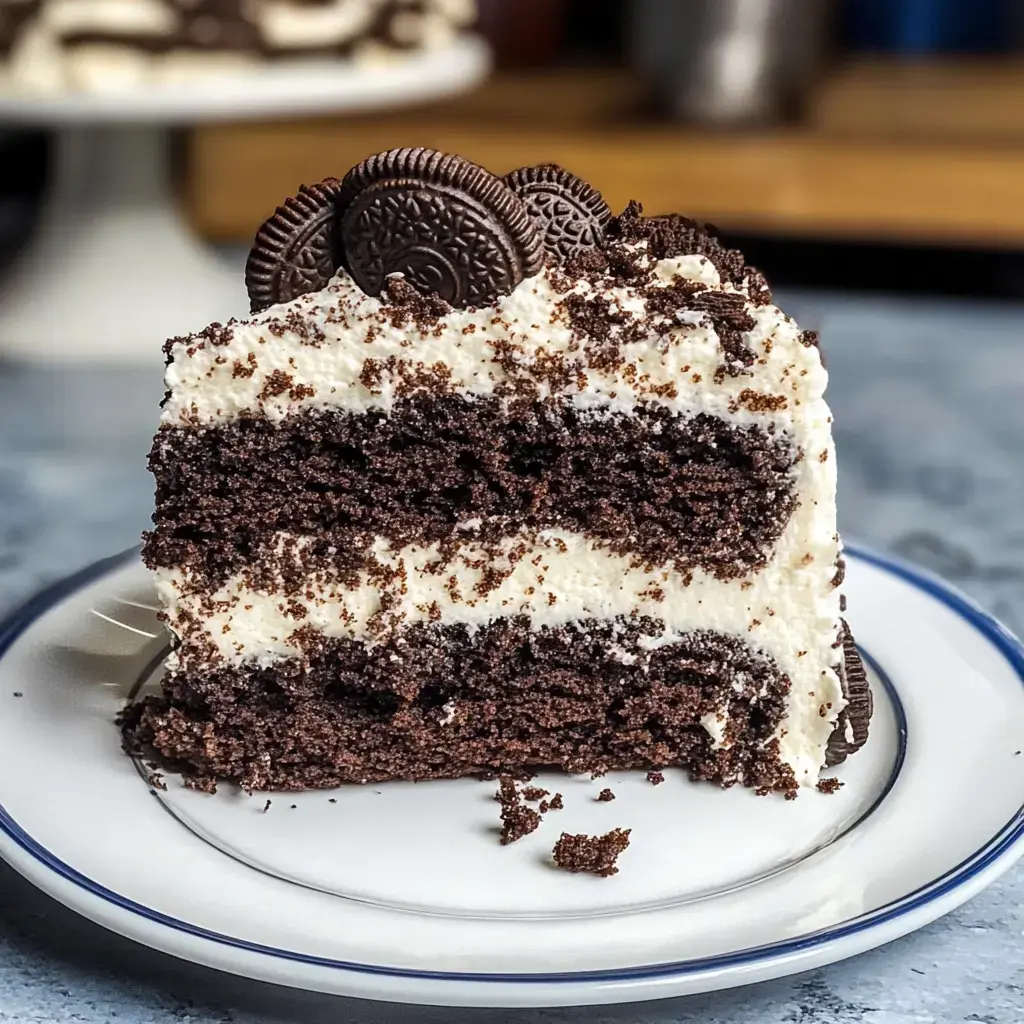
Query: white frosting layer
point(286, 26)
point(555, 577)
point(364, 360)
point(119, 17)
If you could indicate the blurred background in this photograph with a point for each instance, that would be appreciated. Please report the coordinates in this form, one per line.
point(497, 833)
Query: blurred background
point(854, 143)
point(868, 155)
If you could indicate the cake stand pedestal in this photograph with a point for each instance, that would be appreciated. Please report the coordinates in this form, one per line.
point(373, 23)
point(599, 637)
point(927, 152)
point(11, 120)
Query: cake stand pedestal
point(113, 268)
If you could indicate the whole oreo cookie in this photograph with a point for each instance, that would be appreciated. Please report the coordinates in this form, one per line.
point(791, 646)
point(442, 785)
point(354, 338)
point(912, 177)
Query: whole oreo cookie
point(448, 225)
point(570, 213)
point(857, 713)
point(296, 251)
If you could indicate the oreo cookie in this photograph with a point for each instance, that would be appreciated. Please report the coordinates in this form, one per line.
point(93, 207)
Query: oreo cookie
point(296, 250)
point(851, 732)
point(451, 227)
point(570, 213)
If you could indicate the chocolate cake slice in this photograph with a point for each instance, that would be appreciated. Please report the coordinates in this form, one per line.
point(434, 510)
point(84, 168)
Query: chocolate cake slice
point(490, 481)
point(103, 44)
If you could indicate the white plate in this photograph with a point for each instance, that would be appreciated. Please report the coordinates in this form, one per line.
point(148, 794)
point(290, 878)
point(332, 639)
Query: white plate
point(402, 892)
point(276, 89)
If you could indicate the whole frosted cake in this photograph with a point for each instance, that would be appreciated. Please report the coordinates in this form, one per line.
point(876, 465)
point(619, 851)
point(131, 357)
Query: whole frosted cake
point(102, 44)
point(494, 480)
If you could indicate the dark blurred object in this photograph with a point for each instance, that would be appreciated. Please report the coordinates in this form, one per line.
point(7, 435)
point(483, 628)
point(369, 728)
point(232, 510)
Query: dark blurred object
point(523, 33)
point(732, 62)
point(596, 31)
point(931, 26)
point(851, 267)
point(23, 176)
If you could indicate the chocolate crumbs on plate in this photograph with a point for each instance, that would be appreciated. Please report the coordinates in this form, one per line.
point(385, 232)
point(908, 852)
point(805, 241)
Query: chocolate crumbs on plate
point(517, 819)
point(595, 855)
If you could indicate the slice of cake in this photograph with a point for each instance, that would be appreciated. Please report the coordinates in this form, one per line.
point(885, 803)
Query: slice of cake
point(493, 480)
point(85, 44)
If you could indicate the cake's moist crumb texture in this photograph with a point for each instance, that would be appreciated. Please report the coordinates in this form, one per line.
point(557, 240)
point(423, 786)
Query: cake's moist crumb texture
point(697, 492)
point(597, 695)
point(517, 820)
point(655, 778)
point(595, 855)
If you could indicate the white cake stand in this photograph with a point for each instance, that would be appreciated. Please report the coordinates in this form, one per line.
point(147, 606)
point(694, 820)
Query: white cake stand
point(113, 268)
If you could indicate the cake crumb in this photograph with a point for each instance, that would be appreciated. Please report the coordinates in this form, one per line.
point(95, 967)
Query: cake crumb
point(655, 778)
point(200, 783)
point(517, 820)
point(534, 793)
point(832, 785)
point(605, 796)
point(18, 693)
point(595, 855)
point(266, 807)
point(331, 800)
point(554, 804)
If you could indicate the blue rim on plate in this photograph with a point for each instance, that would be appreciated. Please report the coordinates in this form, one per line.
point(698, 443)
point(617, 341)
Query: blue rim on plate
point(1011, 833)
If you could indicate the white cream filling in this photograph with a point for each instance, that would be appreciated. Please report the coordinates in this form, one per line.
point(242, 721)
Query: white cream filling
point(128, 17)
point(789, 610)
point(287, 26)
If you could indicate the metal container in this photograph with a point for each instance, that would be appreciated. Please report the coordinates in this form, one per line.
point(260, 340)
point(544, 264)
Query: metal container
point(732, 62)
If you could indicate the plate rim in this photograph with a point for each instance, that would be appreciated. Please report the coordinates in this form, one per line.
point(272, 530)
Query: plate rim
point(303, 85)
point(997, 854)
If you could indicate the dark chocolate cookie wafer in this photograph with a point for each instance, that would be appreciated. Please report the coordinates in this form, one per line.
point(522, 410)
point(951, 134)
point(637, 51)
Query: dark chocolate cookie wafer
point(448, 225)
point(570, 213)
point(296, 251)
point(857, 713)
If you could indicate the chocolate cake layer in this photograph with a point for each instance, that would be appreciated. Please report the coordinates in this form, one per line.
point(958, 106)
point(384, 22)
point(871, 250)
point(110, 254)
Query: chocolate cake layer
point(694, 492)
point(445, 702)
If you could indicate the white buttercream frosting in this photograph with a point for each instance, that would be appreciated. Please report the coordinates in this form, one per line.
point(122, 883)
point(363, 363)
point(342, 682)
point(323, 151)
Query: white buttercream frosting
point(341, 348)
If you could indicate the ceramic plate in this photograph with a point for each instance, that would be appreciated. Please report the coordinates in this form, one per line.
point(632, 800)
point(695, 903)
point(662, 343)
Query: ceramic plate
point(264, 90)
point(402, 892)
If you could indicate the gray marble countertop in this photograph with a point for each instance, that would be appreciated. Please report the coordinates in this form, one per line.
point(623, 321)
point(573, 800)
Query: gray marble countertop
point(929, 406)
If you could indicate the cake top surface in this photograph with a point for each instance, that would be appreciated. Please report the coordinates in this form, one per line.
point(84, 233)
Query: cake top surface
point(421, 272)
